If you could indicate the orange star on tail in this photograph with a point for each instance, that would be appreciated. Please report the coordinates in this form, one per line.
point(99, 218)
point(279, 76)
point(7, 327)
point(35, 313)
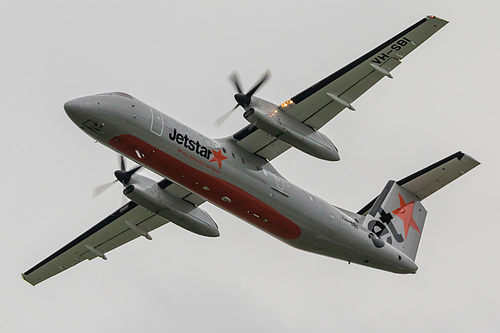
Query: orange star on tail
point(218, 157)
point(405, 213)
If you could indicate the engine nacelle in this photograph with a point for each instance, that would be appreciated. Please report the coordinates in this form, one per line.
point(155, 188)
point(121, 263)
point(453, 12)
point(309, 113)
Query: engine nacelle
point(176, 210)
point(293, 132)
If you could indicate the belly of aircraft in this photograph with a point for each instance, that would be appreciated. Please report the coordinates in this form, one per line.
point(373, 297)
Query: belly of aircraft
point(219, 192)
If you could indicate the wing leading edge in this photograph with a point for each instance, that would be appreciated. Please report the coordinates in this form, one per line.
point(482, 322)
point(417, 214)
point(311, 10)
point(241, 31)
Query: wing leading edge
point(324, 100)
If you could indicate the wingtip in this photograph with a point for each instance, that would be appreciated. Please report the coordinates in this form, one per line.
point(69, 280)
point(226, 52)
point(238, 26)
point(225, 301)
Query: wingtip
point(24, 276)
point(434, 17)
point(472, 160)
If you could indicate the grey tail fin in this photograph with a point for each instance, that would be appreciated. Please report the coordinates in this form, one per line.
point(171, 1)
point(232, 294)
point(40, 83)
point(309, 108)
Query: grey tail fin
point(397, 214)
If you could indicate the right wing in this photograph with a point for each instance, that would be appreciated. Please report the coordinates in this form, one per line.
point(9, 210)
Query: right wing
point(321, 102)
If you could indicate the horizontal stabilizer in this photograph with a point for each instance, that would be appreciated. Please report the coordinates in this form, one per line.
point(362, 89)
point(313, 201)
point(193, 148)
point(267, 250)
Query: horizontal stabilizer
point(428, 180)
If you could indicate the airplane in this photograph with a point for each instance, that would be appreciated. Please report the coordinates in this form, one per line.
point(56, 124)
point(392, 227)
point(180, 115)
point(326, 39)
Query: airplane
point(235, 173)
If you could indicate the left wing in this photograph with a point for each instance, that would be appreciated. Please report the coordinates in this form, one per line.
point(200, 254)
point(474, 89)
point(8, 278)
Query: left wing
point(321, 102)
point(122, 226)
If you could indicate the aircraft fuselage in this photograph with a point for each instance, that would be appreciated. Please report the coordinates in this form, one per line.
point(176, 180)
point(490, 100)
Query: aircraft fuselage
point(233, 179)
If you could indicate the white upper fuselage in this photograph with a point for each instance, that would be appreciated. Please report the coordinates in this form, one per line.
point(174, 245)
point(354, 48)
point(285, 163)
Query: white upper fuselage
point(228, 176)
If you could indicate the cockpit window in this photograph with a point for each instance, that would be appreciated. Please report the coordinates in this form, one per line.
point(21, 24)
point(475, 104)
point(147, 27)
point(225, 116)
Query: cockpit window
point(122, 94)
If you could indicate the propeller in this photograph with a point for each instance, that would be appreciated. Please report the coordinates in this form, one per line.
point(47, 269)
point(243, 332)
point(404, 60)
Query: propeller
point(241, 98)
point(122, 175)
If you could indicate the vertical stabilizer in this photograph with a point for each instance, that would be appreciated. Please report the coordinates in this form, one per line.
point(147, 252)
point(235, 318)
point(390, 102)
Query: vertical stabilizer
point(398, 217)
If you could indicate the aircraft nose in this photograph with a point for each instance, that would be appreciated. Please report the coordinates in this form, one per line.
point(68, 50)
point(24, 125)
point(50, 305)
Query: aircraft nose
point(73, 107)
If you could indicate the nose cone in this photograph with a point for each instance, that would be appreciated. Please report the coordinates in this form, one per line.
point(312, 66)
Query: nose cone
point(81, 109)
point(73, 107)
point(242, 100)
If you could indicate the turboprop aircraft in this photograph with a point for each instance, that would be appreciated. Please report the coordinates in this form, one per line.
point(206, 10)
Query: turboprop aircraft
point(235, 173)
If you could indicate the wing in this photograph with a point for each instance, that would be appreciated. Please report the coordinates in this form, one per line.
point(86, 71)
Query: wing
point(122, 226)
point(106, 235)
point(321, 102)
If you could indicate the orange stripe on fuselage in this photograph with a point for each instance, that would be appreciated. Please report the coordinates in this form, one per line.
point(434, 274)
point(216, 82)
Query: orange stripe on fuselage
point(242, 203)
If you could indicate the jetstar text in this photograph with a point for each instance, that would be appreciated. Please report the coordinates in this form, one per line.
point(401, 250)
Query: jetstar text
point(195, 146)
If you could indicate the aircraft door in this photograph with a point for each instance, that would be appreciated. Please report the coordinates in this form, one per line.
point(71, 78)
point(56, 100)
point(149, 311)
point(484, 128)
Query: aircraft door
point(156, 121)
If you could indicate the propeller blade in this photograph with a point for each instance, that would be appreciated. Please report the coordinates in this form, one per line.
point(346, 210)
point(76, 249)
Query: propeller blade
point(100, 189)
point(134, 170)
point(235, 79)
point(224, 117)
point(263, 79)
point(122, 163)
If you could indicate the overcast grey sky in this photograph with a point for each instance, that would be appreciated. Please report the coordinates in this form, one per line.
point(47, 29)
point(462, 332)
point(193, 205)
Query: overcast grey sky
point(176, 56)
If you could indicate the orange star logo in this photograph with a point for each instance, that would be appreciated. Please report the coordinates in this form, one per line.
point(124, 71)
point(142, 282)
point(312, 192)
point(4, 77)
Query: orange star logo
point(405, 213)
point(218, 157)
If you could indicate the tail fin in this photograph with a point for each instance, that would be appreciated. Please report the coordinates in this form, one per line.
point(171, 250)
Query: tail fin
point(397, 214)
point(398, 217)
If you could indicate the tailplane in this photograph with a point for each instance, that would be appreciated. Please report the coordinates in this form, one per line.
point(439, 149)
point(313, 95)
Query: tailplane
point(397, 215)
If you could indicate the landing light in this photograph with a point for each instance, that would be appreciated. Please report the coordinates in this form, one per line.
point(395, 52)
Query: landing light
point(287, 103)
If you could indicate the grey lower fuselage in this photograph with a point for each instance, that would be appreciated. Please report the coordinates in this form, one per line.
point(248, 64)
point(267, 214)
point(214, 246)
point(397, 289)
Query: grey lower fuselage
point(242, 183)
